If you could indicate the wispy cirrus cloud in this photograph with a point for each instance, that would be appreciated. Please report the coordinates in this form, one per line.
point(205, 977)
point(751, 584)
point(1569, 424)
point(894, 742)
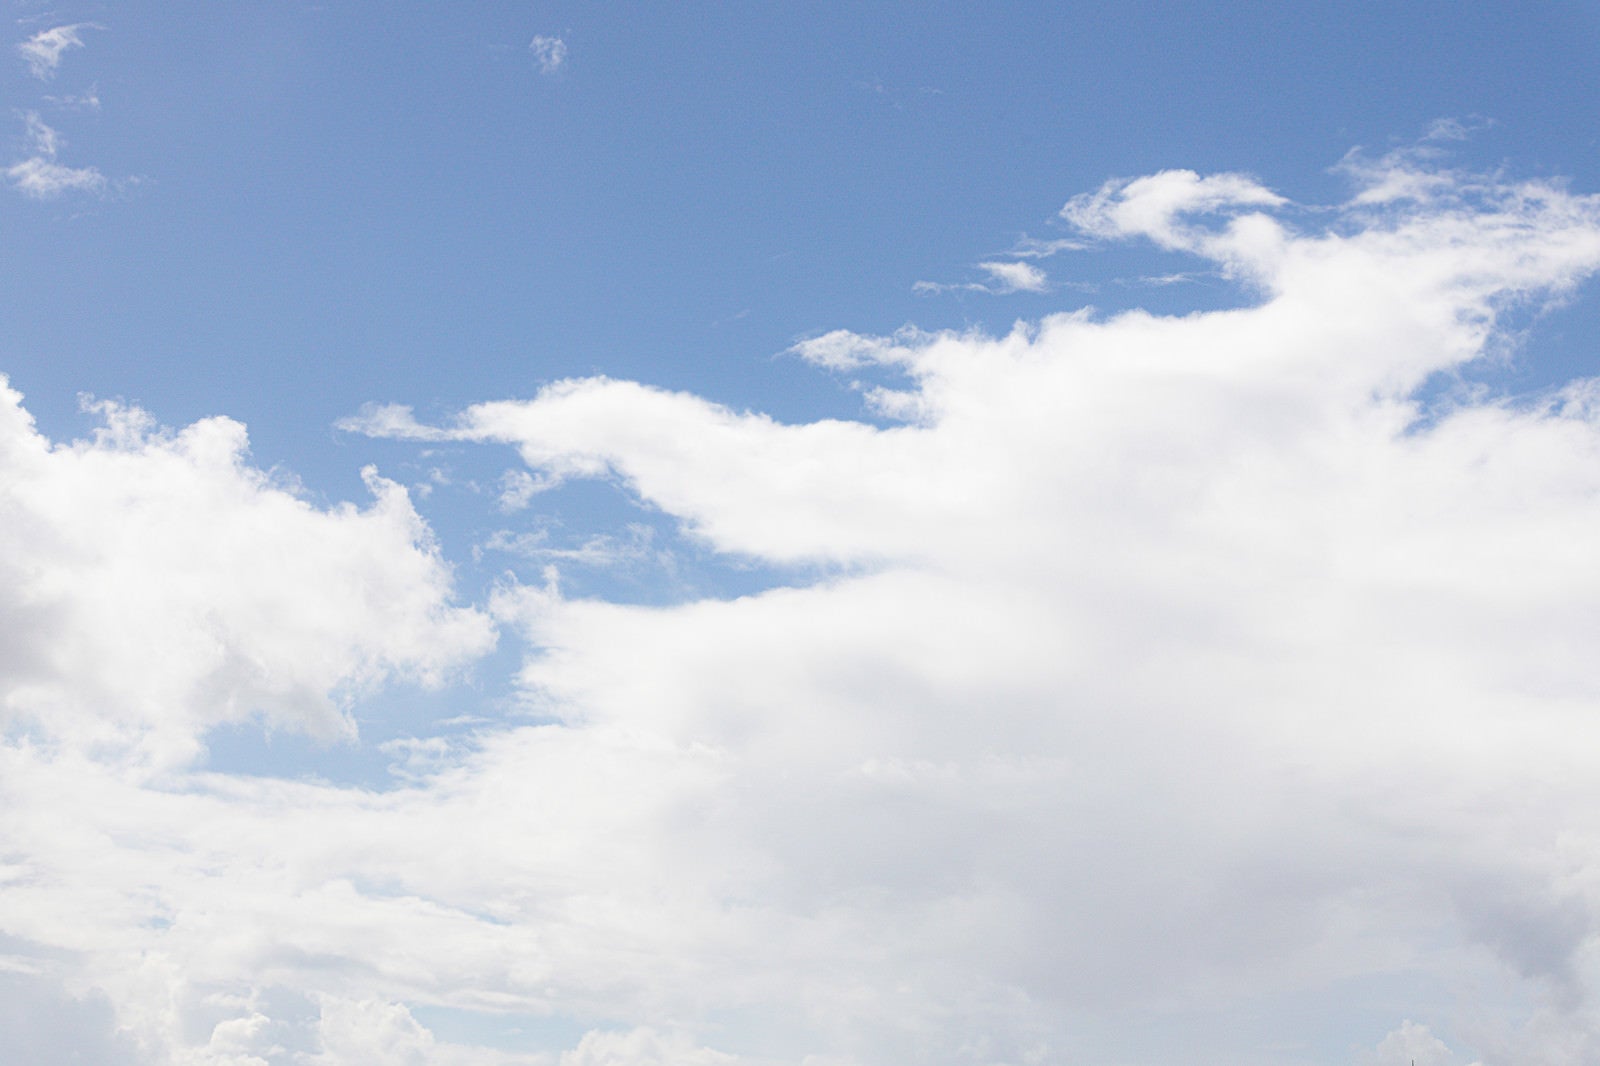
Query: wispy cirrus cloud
point(1004, 278)
point(41, 176)
point(43, 51)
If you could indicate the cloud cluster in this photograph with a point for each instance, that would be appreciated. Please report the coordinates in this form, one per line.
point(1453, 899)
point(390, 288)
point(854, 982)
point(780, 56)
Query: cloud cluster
point(1181, 685)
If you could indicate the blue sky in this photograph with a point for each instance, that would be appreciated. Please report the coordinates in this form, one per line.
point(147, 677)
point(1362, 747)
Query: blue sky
point(606, 535)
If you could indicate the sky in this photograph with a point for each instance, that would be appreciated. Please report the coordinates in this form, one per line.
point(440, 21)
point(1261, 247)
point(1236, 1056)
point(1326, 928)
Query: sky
point(800, 535)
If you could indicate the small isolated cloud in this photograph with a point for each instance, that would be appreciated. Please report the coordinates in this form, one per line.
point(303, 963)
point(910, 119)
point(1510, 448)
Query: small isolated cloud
point(40, 175)
point(1015, 277)
point(1411, 1045)
point(841, 349)
point(1456, 129)
point(1004, 278)
point(42, 52)
point(1037, 248)
point(601, 551)
point(392, 420)
point(549, 52)
point(88, 100)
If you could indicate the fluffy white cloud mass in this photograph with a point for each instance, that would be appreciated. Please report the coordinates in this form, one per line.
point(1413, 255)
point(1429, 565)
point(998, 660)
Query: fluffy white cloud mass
point(1186, 689)
point(153, 585)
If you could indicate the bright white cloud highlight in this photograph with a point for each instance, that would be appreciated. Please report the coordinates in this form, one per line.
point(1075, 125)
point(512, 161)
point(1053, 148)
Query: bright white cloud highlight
point(42, 52)
point(1178, 680)
point(155, 586)
point(1016, 277)
point(549, 52)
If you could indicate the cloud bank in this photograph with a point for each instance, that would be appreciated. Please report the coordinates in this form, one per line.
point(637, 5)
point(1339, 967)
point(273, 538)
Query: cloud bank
point(1184, 688)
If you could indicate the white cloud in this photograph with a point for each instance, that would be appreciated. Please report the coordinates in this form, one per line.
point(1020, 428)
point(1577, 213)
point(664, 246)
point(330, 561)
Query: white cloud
point(517, 487)
point(389, 420)
point(88, 100)
point(156, 585)
point(603, 550)
point(1004, 278)
point(1177, 689)
point(42, 139)
point(1411, 1045)
point(42, 52)
point(642, 1047)
point(842, 350)
point(40, 176)
point(45, 179)
point(1035, 248)
point(1456, 129)
point(549, 52)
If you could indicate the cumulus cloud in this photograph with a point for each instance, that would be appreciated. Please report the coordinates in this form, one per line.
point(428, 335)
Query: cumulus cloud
point(1411, 1045)
point(42, 52)
point(157, 585)
point(550, 53)
point(1175, 680)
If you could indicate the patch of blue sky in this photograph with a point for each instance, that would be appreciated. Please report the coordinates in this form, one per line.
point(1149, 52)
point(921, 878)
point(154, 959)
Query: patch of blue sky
point(378, 757)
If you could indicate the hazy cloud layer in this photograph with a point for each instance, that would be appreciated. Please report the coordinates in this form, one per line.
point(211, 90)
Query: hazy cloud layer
point(1185, 687)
